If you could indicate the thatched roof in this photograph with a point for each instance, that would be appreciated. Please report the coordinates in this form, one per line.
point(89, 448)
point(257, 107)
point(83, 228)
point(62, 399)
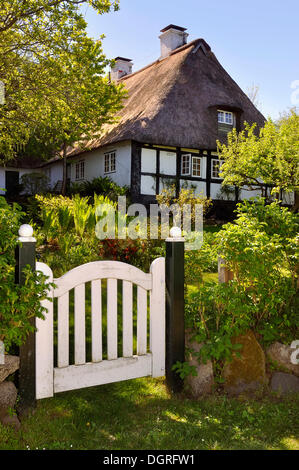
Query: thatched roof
point(174, 102)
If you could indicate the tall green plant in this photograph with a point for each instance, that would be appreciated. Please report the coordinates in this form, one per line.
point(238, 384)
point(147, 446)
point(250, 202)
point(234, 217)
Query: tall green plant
point(18, 303)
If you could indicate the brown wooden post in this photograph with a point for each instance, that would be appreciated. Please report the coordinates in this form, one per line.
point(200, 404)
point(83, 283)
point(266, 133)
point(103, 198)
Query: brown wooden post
point(224, 274)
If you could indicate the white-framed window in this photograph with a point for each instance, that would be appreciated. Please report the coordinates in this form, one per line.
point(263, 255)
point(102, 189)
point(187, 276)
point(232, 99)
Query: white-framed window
point(80, 170)
point(186, 164)
point(226, 117)
point(196, 166)
point(215, 168)
point(110, 162)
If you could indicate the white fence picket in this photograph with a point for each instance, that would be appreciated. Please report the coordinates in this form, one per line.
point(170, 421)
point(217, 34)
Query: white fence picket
point(96, 321)
point(45, 343)
point(127, 305)
point(112, 319)
point(63, 331)
point(80, 348)
point(141, 321)
point(157, 317)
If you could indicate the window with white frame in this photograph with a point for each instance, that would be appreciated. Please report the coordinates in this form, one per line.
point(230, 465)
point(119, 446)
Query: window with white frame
point(196, 166)
point(80, 170)
point(226, 117)
point(186, 164)
point(216, 166)
point(110, 162)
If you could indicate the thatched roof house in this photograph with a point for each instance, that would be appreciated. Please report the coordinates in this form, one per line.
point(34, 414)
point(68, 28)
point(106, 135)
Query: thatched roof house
point(176, 109)
point(174, 101)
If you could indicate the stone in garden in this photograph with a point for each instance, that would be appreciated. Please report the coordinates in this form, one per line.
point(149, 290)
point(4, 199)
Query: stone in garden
point(9, 420)
point(280, 355)
point(203, 383)
point(8, 395)
point(248, 372)
point(284, 383)
point(10, 365)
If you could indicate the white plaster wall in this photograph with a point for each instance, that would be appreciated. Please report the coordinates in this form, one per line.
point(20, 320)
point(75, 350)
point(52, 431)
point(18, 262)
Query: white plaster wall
point(200, 186)
point(215, 193)
point(148, 160)
point(148, 185)
point(247, 194)
point(288, 198)
point(165, 183)
point(54, 171)
point(167, 163)
point(94, 164)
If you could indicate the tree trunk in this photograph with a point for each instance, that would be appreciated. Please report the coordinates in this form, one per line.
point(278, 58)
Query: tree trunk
point(296, 202)
point(64, 177)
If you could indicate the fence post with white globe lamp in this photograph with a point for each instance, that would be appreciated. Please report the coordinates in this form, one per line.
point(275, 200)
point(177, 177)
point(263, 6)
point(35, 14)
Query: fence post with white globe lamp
point(25, 255)
point(175, 314)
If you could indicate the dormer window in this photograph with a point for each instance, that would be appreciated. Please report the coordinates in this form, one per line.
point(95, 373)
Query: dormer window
point(226, 122)
point(226, 117)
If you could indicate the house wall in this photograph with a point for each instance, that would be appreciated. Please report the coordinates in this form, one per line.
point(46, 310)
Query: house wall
point(54, 172)
point(161, 166)
point(94, 165)
point(21, 171)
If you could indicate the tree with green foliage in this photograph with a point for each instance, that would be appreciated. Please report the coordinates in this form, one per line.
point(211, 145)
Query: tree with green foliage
point(270, 157)
point(52, 74)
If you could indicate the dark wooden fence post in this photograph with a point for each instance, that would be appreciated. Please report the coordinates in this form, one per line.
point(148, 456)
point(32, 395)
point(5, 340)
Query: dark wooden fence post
point(25, 255)
point(175, 321)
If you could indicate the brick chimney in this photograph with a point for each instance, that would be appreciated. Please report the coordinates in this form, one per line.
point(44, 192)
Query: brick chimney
point(171, 38)
point(121, 68)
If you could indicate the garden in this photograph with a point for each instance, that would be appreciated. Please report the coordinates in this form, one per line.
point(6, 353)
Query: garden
point(238, 375)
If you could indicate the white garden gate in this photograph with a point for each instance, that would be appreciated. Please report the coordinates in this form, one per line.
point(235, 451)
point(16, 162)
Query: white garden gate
point(66, 376)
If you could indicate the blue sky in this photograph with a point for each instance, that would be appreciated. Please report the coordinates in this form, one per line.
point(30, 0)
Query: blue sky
point(256, 41)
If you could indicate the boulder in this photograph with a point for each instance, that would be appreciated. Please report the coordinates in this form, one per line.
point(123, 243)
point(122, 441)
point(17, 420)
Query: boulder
point(203, 383)
point(248, 372)
point(284, 383)
point(11, 364)
point(280, 355)
point(8, 395)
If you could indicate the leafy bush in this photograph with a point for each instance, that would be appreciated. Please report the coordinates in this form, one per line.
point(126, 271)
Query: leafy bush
point(18, 303)
point(261, 249)
point(101, 185)
point(35, 183)
point(198, 262)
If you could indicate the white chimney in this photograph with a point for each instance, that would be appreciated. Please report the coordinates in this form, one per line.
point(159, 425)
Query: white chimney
point(171, 38)
point(121, 68)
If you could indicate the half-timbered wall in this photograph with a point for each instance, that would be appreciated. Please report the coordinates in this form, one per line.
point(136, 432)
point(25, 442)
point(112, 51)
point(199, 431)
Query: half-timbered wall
point(155, 167)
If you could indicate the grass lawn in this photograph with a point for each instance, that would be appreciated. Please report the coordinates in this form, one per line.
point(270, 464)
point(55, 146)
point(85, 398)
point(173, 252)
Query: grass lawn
point(140, 414)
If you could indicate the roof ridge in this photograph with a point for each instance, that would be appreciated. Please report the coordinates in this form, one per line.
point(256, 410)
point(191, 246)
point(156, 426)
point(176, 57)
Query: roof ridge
point(175, 51)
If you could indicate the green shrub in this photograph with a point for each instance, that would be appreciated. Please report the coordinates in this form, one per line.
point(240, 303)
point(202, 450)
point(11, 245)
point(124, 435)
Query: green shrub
point(18, 303)
point(35, 183)
point(261, 249)
point(101, 185)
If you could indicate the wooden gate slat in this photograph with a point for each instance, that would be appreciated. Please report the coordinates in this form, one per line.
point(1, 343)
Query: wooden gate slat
point(141, 321)
point(127, 301)
point(80, 348)
point(112, 319)
point(96, 321)
point(63, 331)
